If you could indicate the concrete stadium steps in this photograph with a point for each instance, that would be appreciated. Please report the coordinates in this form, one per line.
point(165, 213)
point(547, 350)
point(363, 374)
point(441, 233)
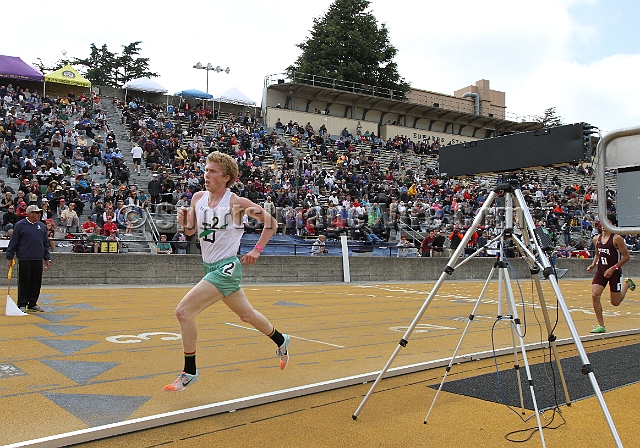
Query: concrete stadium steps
point(114, 118)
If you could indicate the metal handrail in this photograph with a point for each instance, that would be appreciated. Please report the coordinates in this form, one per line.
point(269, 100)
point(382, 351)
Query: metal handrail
point(332, 83)
point(151, 222)
point(406, 228)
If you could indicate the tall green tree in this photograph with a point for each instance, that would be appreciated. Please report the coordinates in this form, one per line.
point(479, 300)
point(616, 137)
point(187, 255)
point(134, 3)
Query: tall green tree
point(130, 65)
point(347, 44)
point(99, 66)
point(105, 68)
point(549, 118)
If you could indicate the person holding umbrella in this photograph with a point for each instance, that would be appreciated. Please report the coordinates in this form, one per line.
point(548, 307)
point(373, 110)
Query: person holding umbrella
point(30, 243)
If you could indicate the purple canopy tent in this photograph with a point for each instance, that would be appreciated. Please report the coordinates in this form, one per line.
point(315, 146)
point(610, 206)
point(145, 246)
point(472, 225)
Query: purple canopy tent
point(15, 68)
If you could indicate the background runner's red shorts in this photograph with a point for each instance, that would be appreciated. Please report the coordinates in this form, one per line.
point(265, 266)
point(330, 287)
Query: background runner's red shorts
point(615, 281)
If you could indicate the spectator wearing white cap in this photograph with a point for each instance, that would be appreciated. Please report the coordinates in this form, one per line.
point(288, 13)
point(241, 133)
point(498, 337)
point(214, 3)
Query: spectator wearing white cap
point(56, 140)
point(30, 243)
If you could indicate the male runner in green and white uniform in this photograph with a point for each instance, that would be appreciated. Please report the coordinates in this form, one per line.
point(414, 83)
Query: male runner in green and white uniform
point(216, 214)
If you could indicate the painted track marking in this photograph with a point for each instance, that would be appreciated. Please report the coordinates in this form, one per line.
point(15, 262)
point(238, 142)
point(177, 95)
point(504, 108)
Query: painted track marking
point(297, 337)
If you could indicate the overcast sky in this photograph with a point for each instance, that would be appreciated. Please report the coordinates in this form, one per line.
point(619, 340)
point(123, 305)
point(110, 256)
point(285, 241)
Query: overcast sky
point(581, 56)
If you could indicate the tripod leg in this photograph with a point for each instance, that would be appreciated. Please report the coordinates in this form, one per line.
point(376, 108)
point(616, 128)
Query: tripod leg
point(508, 232)
point(531, 259)
point(518, 331)
point(551, 338)
point(455, 353)
point(504, 282)
point(586, 366)
point(516, 361)
point(448, 270)
point(403, 342)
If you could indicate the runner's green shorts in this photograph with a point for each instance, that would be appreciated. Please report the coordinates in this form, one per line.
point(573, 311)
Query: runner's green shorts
point(225, 275)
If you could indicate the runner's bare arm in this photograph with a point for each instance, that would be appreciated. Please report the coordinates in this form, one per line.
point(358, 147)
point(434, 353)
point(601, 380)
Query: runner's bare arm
point(253, 210)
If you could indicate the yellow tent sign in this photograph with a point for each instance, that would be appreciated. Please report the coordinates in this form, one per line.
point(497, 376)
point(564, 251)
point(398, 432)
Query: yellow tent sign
point(67, 75)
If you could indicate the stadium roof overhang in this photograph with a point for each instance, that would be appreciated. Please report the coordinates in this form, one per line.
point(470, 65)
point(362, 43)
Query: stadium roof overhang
point(423, 111)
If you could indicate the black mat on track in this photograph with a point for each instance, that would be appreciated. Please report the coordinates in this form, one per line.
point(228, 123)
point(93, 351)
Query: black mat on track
point(613, 368)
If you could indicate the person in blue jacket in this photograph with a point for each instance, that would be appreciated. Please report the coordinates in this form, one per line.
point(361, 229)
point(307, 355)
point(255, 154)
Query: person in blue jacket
point(30, 244)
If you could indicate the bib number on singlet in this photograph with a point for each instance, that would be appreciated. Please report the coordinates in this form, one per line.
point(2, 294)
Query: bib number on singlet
point(603, 261)
point(209, 234)
point(227, 269)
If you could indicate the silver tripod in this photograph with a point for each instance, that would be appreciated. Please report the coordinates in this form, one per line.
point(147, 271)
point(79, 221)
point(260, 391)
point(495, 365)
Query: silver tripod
point(531, 248)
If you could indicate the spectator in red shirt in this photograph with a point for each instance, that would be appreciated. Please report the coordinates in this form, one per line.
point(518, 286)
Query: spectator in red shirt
point(427, 243)
point(455, 238)
point(88, 226)
point(21, 211)
point(473, 241)
point(109, 227)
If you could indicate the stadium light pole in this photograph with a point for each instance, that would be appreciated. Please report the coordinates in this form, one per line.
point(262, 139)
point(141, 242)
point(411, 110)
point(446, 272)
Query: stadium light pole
point(209, 68)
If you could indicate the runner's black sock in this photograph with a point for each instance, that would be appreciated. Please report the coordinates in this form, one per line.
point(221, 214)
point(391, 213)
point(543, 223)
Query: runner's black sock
point(190, 363)
point(277, 337)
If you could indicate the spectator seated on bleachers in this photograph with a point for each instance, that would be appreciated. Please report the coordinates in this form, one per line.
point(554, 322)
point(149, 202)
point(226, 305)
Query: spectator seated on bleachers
point(21, 210)
point(7, 201)
point(9, 218)
point(14, 167)
point(69, 219)
point(357, 230)
point(336, 228)
point(378, 228)
point(94, 240)
point(371, 237)
point(81, 185)
point(286, 170)
point(56, 140)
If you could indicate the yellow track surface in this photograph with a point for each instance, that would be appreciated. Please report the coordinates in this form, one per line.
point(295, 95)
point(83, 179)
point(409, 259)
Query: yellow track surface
point(100, 355)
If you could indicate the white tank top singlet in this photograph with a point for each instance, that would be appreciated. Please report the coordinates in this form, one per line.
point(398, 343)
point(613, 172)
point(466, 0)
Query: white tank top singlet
point(219, 236)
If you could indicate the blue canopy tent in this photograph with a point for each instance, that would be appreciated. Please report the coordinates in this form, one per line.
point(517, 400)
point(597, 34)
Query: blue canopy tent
point(194, 93)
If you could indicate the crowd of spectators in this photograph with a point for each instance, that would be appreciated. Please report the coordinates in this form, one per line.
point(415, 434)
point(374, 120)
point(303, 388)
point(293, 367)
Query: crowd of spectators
point(311, 181)
point(317, 183)
point(51, 145)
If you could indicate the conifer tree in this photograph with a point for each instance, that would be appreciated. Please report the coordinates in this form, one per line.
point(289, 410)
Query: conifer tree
point(346, 44)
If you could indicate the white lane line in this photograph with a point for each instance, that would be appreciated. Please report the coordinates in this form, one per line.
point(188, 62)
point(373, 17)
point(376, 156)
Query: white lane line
point(297, 337)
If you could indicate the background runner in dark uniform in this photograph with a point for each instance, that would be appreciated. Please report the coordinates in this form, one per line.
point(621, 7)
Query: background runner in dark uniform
point(611, 254)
